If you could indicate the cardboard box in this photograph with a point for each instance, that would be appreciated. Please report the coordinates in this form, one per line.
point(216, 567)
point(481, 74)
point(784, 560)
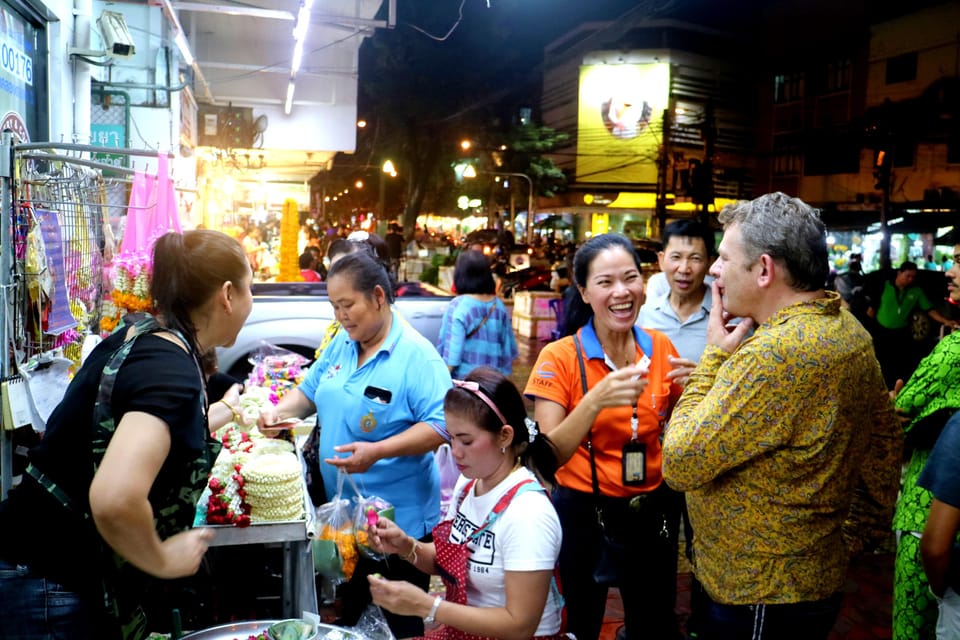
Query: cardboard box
point(534, 304)
point(534, 327)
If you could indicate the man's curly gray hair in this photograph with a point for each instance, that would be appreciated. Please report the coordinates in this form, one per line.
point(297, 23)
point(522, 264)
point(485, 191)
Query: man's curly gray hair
point(788, 230)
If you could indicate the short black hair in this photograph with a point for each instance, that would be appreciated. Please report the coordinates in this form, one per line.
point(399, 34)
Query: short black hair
point(472, 273)
point(306, 259)
point(689, 229)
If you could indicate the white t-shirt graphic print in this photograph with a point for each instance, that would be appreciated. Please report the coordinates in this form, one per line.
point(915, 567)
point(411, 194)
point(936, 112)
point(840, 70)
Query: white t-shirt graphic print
point(526, 537)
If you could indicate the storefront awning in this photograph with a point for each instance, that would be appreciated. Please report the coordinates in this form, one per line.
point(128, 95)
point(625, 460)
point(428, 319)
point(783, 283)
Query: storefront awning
point(633, 200)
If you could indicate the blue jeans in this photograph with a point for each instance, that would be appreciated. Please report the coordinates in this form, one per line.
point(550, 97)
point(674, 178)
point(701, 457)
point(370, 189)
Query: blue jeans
point(34, 608)
point(793, 621)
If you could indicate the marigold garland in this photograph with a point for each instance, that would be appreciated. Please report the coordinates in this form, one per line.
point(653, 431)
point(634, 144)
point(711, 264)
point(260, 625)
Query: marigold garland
point(289, 234)
point(131, 293)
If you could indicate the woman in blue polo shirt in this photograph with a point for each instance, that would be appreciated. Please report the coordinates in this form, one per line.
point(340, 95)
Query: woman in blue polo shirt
point(378, 392)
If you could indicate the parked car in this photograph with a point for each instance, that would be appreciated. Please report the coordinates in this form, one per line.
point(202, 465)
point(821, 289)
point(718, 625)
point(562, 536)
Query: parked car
point(294, 315)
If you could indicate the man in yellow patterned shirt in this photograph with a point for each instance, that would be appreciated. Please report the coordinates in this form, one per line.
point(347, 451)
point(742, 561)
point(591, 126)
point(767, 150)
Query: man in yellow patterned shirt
point(785, 441)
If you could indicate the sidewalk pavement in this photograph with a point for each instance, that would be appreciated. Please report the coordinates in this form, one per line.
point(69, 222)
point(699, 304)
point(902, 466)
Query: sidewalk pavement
point(866, 613)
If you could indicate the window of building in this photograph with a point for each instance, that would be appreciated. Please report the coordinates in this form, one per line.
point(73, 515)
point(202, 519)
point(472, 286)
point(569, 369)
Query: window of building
point(838, 75)
point(787, 157)
point(831, 153)
point(904, 152)
point(787, 164)
point(902, 68)
point(787, 87)
point(788, 117)
point(953, 150)
point(24, 95)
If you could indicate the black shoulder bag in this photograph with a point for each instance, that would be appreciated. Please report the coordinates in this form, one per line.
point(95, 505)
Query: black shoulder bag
point(610, 557)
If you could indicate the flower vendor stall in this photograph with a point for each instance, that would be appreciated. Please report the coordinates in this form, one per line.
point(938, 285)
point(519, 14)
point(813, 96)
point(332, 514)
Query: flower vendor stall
point(64, 284)
point(54, 283)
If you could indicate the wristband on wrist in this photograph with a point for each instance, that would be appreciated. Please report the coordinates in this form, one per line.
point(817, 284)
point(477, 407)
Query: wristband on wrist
point(432, 616)
point(236, 414)
point(412, 556)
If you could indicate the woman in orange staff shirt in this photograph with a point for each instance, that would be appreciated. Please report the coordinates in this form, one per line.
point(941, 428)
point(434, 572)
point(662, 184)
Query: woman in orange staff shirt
point(603, 396)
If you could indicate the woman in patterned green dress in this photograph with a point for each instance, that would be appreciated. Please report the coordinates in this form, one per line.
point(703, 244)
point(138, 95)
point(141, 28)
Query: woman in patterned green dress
point(928, 399)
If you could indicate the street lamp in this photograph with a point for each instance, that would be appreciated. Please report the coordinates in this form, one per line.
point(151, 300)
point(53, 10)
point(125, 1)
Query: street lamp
point(471, 172)
point(387, 168)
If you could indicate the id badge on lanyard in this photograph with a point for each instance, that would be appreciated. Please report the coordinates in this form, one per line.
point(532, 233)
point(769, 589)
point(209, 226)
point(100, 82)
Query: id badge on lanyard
point(634, 460)
point(634, 463)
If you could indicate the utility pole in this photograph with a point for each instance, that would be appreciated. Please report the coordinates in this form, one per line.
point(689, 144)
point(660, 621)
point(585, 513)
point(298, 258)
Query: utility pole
point(662, 163)
point(884, 135)
point(881, 171)
point(705, 188)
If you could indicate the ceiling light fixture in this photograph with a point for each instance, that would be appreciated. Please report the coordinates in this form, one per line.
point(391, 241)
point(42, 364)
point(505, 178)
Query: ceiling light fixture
point(179, 38)
point(299, 38)
point(288, 104)
point(181, 41)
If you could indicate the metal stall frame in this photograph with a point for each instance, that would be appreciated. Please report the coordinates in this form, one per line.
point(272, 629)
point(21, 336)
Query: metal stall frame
point(299, 592)
point(12, 270)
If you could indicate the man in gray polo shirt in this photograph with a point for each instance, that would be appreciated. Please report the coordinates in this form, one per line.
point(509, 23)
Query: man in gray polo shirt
point(682, 313)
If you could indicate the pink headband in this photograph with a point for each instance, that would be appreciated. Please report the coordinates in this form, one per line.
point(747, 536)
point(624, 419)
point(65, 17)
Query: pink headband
point(475, 389)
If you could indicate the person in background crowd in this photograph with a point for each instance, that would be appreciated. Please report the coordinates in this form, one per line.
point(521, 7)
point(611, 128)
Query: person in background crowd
point(938, 545)
point(559, 277)
point(254, 248)
point(308, 267)
point(785, 441)
point(681, 313)
point(318, 261)
point(379, 423)
point(892, 339)
point(849, 285)
point(603, 396)
point(121, 471)
point(503, 584)
point(394, 241)
point(475, 329)
point(925, 403)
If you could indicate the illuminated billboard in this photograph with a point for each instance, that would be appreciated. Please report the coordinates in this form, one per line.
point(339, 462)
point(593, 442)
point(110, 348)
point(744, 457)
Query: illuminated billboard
point(620, 122)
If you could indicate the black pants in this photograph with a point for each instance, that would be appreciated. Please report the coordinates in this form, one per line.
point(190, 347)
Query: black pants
point(794, 621)
point(648, 577)
point(355, 594)
point(896, 352)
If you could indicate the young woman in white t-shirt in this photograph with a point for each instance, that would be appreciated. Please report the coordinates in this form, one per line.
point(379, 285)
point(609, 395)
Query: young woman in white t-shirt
point(497, 547)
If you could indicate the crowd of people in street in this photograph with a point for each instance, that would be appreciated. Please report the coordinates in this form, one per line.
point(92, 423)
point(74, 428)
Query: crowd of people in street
point(740, 402)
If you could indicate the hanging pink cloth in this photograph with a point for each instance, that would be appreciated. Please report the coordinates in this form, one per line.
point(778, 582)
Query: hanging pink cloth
point(167, 216)
point(135, 230)
point(152, 211)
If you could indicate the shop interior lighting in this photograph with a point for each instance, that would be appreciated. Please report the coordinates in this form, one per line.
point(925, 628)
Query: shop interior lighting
point(299, 38)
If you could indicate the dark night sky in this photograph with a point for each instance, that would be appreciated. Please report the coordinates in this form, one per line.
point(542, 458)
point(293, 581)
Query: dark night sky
point(488, 50)
point(530, 24)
